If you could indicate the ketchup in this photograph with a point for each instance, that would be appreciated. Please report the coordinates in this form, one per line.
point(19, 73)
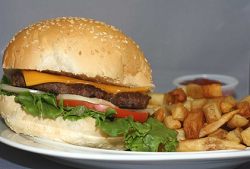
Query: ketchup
point(202, 81)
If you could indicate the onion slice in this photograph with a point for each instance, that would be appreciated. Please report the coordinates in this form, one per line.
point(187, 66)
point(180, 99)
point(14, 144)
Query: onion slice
point(10, 88)
point(148, 110)
point(101, 107)
point(87, 99)
point(102, 104)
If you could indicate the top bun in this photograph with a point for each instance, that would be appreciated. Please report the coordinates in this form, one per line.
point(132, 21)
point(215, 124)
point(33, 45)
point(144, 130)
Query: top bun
point(84, 48)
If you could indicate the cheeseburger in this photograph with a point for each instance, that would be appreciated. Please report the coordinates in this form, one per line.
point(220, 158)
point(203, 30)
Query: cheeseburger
point(81, 82)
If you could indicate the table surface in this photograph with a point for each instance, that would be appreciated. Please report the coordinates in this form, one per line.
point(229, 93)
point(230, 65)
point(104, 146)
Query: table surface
point(12, 158)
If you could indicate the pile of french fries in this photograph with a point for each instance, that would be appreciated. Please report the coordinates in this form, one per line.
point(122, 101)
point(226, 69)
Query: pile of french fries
point(203, 118)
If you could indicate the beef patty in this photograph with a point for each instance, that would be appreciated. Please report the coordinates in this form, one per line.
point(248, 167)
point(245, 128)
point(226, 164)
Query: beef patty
point(133, 100)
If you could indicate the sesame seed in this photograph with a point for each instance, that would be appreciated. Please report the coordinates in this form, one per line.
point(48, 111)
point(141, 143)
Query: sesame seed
point(125, 41)
point(72, 21)
point(113, 28)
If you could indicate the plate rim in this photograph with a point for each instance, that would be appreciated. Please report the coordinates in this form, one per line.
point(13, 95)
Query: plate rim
point(115, 155)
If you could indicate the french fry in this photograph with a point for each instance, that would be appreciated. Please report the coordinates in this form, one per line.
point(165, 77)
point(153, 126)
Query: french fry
point(159, 114)
point(179, 112)
point(220, 133)
point(245, 134)
point(180, 134)
point(188, 104)
point(172, 123)
point(207, 144)
point(193, 124)
point(234, 135)
point(169, 99)
point(248, 124)
point(194, 91)
point(247, 99)
point(203, 111)
point(212, 90)
point(180, 95)
point(198, 103)
point(237, 121)
point(216, 100)
point(226, 107)
point(231, 100)
point(175, 96)
point(212, 127)
point(244, 108)
point(212, 112)
point(157, 99)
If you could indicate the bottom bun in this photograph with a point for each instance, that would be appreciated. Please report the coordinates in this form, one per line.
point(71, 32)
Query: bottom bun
point(82, 132)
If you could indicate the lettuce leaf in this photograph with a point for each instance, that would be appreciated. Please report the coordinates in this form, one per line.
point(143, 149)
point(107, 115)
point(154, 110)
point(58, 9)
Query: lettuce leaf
point(157, 136)
point(3, 92)
point(41, 105)
point(45, 106)
point(116, 127)
point(5, 80)
point(151, 135)
point(79, 112)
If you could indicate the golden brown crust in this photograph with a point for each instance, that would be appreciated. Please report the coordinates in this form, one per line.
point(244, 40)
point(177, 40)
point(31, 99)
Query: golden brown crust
point(83, 47)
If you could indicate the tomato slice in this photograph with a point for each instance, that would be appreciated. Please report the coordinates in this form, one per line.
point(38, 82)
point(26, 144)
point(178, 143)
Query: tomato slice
point(74, 103)
point(137, 116)
point(121, 113)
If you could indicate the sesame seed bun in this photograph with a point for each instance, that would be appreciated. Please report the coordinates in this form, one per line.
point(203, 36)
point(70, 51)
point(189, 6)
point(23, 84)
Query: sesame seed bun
point(82, 47)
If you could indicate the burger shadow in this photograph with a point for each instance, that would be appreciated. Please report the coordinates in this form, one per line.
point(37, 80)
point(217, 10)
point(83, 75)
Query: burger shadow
point(16, 158)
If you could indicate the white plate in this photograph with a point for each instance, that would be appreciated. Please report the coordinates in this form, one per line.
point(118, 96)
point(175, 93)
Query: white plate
point(83, 156)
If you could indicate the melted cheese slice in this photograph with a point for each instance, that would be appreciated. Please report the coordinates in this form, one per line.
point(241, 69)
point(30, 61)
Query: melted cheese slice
point(35, 78)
